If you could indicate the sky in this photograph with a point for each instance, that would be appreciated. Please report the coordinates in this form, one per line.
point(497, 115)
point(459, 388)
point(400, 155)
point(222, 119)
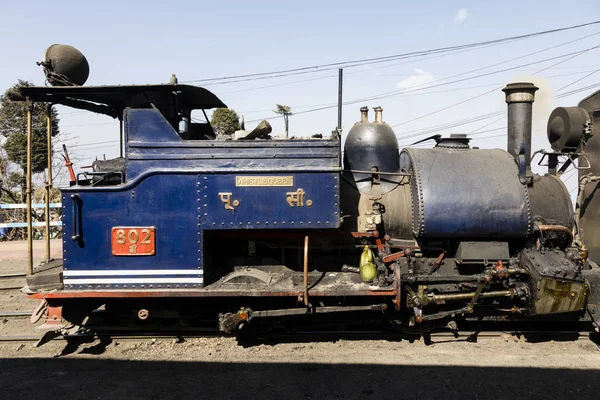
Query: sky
point(137, 42)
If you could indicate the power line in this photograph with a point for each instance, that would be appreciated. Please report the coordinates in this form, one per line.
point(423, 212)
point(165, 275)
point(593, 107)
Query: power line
point(414, 93)
point(485, 116)
point(422, 58)
point(454, 124)
point(575, 91)
point(420, 87)
point(575, 54)
point(580, 79)
point(357, 62)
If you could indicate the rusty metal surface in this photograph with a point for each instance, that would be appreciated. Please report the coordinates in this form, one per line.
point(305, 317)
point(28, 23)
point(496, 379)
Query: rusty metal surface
point(98, 294)
point(393, 257)
point(285, 283)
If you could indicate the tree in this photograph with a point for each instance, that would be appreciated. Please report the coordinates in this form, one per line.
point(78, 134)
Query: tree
point(225, 122)
point(13, 126)
point(286, 111)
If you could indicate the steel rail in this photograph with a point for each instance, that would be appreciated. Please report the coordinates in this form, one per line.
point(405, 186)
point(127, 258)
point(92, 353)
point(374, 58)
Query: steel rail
point(5, 314)
point(366, 335)
point(8, 276)
point(12, 278)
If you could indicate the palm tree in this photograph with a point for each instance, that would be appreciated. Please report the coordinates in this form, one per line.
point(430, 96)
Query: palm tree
point(286, 111)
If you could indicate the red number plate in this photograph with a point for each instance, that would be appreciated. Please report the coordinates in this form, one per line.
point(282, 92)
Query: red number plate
point(133, 241)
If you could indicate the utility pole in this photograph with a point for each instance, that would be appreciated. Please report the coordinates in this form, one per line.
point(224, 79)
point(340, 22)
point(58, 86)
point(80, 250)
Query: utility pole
point(340, 85)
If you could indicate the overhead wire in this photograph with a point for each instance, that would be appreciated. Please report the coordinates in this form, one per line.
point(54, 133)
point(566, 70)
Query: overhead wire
point(485, 116)
point(420, 87)
point(572, 55)
point(362, 61)
point(580, 79)
point(477, 131)
point(415, 93)
point(461, 47)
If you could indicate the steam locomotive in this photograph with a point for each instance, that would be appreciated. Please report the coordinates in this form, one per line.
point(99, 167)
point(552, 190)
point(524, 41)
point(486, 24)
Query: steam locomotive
point(261, 227)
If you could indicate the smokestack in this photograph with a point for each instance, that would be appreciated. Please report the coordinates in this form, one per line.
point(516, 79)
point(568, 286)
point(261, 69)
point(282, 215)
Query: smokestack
point(378, 114)
point(364, 114)
point(520, 97)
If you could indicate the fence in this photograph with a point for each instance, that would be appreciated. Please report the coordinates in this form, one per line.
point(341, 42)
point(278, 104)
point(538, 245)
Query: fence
point(24, 224)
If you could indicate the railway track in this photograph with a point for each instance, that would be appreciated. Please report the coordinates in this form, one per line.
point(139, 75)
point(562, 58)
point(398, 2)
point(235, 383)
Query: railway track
point(471, 331)
point(317, 336)
point(437, 337)
point(15, 314)
point(12, 281)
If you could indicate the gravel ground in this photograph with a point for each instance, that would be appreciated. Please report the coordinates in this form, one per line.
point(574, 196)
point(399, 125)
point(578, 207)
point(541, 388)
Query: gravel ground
point(222, 368)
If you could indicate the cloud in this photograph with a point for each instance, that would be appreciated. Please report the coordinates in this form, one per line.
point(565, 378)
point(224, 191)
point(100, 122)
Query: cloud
point(461, 15)
point(419, 78)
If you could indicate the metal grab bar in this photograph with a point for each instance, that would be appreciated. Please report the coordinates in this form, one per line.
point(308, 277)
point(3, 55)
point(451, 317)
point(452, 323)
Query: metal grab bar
point(76, 237)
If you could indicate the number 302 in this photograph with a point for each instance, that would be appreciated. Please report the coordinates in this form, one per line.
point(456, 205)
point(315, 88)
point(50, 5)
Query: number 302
point(132, 236)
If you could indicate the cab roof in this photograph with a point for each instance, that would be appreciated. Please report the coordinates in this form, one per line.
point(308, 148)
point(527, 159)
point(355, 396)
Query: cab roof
point(112, 100)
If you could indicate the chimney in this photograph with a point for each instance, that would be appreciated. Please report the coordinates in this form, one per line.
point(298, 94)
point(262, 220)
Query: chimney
point(364, 114)
point(378, 114)
point(520, 97)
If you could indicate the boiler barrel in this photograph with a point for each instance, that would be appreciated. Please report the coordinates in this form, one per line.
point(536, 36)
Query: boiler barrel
point(466, 193)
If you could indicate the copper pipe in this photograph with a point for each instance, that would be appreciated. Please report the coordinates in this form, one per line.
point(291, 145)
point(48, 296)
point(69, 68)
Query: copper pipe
point(306, 270)
point(28, 191)
point(557, 228)
point(470, 295)
point(49, 177)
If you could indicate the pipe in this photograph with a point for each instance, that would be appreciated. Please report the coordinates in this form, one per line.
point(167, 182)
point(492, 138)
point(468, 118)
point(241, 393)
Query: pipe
point(470, 295)
point(520, 97)
point(484, 277)
point(121, 137)
point(306, 270)
point(378, 114)
point(364, 114)
point(28, 191)
point(557, 228)
point(49, 177)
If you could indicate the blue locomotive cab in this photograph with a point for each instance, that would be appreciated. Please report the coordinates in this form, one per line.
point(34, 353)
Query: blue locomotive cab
point(183, 209)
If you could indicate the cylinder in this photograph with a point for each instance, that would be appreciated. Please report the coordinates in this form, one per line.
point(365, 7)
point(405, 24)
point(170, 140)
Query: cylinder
point(378, 115)
point(520, 97)
point(364, 114)
point(466, 194)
